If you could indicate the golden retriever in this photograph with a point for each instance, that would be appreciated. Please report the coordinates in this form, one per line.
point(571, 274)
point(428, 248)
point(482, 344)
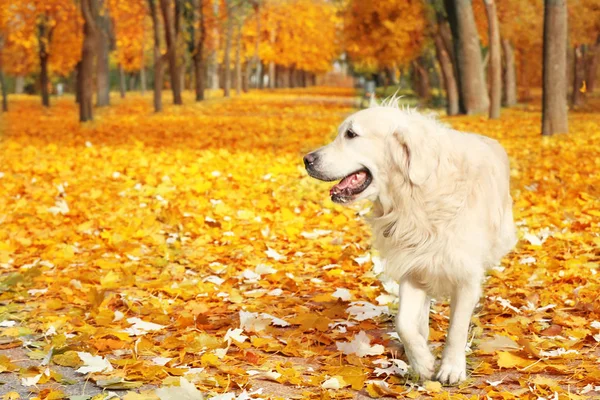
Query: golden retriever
point(442, 216)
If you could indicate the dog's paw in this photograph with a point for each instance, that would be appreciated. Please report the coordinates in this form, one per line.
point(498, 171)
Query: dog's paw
point(424, 368)
point(452, 371)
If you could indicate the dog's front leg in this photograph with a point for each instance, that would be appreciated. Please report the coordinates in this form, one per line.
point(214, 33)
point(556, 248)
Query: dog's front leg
point(410, 324)
point(454, 365)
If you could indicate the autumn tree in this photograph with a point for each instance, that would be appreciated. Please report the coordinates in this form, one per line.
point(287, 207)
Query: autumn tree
point(230, 9)
point(380, 34)
point(85, 71)
point(554, 99)
point(593, 64)
point(2, 78)
point(44, 38)
point(439, 30)
point(4, 14)
point(159, 59)
point(495, 63)
point(467, 49)
point(584, 36)
point(129, 27)
point(105, 44)
point(294, 39)
point(171, 11)
point(197, 47)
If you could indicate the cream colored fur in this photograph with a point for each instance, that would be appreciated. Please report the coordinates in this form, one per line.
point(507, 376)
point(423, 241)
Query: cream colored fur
point(442, 216)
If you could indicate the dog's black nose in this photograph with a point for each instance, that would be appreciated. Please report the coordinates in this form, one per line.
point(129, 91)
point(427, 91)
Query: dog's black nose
point(309, 159)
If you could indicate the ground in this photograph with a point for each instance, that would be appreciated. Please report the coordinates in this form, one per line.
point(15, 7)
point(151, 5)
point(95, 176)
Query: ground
point(143, 249)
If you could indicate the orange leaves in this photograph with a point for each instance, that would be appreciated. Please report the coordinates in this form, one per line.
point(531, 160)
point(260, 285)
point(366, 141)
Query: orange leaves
point(61, 35)
point(384, 33)
point(299, 33)
point(130, 25)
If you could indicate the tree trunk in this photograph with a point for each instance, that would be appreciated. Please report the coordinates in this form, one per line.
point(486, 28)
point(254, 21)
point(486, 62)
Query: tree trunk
point(227, 56)
point(291, 77)
point(199, 71)
point(272, 75)
point(247, 71)
point(44, 34)
point(158, 58)
point(257, 64)
point(76, 82)
point(102, 57)
point(510, 75)
point(554, 97)
point(86, 65)
point(4, 91)
point(577, 96)
point(471, 81)
point(495, 63)
point(2, 78)
point(448, 75)
point(132, 82)
point(143, 80)
point(238, 61)
point(122, 83)
point(19, 84)
point(421, 83)
point(171, 25)
point(592, 67)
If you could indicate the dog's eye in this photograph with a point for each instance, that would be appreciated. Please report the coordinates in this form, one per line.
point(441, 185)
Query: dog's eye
point(350, 134)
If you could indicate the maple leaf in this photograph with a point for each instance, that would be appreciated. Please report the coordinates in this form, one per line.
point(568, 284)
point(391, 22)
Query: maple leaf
point(93, 364)
point(342, 294)
point(139, 327)
point(360, 345)
point(362, 310)
point(185, 391)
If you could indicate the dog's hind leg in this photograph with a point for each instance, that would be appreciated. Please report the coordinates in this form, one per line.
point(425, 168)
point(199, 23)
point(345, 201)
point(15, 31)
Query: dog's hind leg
point(464, 299)
point(409, 324)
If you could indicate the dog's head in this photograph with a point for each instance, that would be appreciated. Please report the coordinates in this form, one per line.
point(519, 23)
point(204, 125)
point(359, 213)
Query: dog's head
point(371, 146)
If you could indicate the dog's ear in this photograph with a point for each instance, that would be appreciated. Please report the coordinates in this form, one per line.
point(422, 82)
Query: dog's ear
point(373, 101)
point(415, 153)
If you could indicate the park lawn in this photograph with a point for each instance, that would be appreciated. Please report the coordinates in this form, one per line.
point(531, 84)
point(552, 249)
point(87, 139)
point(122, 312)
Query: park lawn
point(192, 245)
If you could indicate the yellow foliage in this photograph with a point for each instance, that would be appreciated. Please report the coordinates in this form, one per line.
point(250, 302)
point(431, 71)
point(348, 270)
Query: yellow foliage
point(384, 33)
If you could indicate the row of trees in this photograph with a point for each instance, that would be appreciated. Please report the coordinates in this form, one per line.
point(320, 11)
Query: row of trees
point(382, 37)
point(232, 44)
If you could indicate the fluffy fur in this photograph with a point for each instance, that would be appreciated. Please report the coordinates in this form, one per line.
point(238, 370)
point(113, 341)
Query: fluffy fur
point(442, 216)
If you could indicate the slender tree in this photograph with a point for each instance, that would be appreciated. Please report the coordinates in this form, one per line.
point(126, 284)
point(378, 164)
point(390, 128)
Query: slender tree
point(86, 65)
point(172, 27)
point(579, 64)
point(45, 31)
point(198, 51)
point(238, 60)
point(158, 58)
point(256, 58)
point(442, 39)
point(509, 86)
point(2, 78)
point(554, 97)
point(471, 82)
point(103, 39)
point(593, 63)
point(495, 63)
point(122, 81)
point(227, 56)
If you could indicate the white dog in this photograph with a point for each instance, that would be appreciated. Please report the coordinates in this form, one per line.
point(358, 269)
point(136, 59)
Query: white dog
point(442, 216)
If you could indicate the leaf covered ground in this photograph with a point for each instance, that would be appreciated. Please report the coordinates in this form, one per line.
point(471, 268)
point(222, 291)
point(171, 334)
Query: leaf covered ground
point(186, 253)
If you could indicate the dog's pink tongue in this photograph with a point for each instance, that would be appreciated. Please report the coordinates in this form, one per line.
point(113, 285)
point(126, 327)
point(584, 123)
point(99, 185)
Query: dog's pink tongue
point(349, 182)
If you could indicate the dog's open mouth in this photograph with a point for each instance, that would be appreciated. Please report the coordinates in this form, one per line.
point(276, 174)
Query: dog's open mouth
point(350, 186)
